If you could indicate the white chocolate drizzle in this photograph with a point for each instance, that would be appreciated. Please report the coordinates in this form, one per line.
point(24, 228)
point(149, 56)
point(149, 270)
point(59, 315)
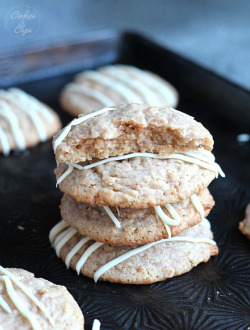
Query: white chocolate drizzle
point(86, 254)
point(122, 81)
point(98, 96)
point(148, 94)
point(167, 220)
point(128, 95)
point(4, 142)
point(18, 303)
point(96, 325)
point(197, 205)
point(161, 87)
point(66, 238)
point(8, 278)
point(75, 250)
point(32, 108)
point(92, 248)
point(208, 164)
point(60, 226)
point(10, 116)
point(112, 216)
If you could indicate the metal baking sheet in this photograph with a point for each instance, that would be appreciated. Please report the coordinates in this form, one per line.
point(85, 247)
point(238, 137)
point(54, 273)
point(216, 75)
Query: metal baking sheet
point(215, 295)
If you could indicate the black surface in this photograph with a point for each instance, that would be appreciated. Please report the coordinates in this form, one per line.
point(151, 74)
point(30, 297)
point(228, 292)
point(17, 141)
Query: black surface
point(213, 295)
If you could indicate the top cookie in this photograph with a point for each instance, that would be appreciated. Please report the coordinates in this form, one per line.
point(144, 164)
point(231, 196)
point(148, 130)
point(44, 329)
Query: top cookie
point(128, 129)
point(35, 303)
point(116, 84)
point(24, 121)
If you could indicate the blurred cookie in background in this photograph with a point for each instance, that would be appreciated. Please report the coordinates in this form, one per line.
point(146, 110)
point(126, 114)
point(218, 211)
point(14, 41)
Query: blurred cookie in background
point(24, 121)
point(116, 84)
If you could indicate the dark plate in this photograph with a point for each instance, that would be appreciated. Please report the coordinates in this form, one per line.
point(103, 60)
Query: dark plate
point(213, 295)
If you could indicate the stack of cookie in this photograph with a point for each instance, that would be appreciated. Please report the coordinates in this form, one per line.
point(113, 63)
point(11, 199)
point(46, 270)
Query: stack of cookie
point(135, 180)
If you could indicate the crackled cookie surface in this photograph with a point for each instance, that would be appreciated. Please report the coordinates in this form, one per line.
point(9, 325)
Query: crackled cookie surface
point(116, 84)
point(28, 303)
point(24, 121)
point(131, 128)
point(138, 226)
point(244, 225)
point(155, 263)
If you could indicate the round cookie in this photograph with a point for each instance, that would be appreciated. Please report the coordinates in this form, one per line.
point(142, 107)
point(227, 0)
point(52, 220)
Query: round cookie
point(244, 225)
point(136, 182)
point(58, 308)
point(159, 262)
point(138, 226)
point(128, 129)
point(116, 84)
point(24, 121)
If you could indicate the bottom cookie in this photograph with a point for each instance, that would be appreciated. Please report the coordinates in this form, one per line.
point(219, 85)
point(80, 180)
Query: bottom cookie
point(244, 225)
point(28, 303)
point(143, 264)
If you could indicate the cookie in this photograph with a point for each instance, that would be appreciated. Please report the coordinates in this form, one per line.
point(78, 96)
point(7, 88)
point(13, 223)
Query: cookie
point(129, 129)
point(116, 84)
point(137, 226)
point(135, 183)
point(27, 302)
point(244, 225)
point(24, 121)
point(144, 264)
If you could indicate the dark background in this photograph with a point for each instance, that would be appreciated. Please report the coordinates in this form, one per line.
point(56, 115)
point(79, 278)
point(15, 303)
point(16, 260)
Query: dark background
point(214, 33)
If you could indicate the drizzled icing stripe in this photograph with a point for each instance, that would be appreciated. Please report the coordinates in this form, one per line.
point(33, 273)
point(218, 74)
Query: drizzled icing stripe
point(203, 155)
point(70, 169)
point(61, 236)
point(127, 255)
point(86, 254)
point(4, 142)
point(173, 213)
point(65, 239)
point(4, 304)
point(75, 250)
point(214, 167)
point(18, 303)
point(120, 88)
point(78, 121)
point(166, 220)
point(20, 285)
point(98, 96)
point(162, 88)
point(122, 75)
point(112, 216)
point(58, 227)
point(197, 205)
point(151, 155)
point(96, 325)
point(9, 115)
